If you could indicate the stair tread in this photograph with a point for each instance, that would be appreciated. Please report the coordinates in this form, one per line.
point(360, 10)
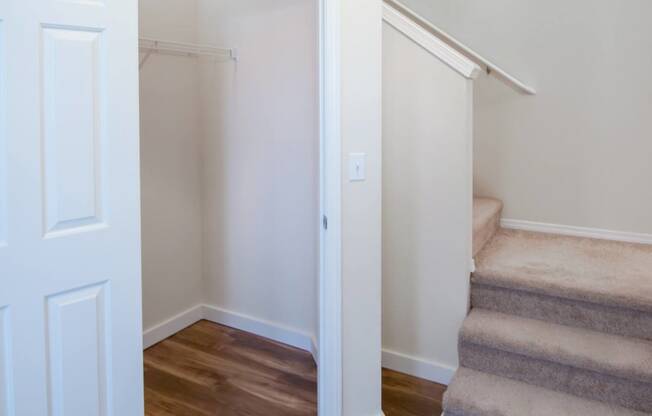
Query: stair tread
point(599, 271)
point(614, 355)
point(486, 213)
point(473, 393)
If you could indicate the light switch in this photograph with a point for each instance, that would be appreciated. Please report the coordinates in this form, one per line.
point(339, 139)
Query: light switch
point(357, 167)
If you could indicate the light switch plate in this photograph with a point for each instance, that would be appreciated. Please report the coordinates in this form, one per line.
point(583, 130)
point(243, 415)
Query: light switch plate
point(357, 167)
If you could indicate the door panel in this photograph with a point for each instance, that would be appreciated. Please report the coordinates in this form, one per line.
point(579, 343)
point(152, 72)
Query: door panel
point(78, 350)
point(73, 105)
point(70, 269)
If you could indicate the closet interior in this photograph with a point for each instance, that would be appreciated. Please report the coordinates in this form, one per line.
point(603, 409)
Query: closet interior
point(230, 197)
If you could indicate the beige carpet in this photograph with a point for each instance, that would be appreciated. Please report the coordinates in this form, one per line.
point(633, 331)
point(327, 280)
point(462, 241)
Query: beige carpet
point(559, 326)
point(474, 393)
point(605, 272)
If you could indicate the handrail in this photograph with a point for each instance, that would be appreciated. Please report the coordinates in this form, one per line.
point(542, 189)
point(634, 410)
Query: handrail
point(488, 66)
point(437, 47)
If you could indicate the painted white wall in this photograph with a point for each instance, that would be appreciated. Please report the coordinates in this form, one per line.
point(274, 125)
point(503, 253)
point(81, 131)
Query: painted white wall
point(577, 153)
point(170, 166)
point(361, 113)
point(427, 199)
point(261, 160)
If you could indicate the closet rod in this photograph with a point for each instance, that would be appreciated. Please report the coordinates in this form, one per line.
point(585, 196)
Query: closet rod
point(149, 46)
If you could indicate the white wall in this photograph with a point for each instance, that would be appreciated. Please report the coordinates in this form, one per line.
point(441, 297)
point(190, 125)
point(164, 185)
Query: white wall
point(361, 119)
point(427, 199)
point(170, 166)
point(577, 153)
point(261, 160)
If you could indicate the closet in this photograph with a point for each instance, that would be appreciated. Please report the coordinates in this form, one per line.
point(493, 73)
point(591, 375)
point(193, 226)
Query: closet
point(230, 166)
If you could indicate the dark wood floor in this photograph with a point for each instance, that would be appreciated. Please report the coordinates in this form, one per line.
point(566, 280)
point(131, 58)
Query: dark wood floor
point(208, 369)
point(405, 395)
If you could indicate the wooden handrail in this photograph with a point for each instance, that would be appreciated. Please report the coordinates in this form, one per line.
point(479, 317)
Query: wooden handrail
point(488, 66)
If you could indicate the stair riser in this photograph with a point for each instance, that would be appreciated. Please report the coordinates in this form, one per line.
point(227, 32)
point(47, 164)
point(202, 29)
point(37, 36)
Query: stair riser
point(629, 323)
point(566, 379)
point(482, 235)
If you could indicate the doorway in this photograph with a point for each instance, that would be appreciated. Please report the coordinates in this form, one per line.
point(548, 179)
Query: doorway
point(230, 198)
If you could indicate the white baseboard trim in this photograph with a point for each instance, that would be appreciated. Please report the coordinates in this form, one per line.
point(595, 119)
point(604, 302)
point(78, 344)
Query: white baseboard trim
point(166, 329)
point(570, 230)
point(418, 367)
point(260, 327)
point(314, 349)
point(263, 328)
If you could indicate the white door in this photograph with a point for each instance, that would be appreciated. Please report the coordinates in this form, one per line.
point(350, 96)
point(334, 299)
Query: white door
point(70, 291)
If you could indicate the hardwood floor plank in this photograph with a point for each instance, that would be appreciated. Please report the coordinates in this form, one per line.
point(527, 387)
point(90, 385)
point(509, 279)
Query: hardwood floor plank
point(404, 395)
point(212, 370)
point(157, 404)
point(225, 399)
point(173, 393)
point(243, 347)
point(208, 369)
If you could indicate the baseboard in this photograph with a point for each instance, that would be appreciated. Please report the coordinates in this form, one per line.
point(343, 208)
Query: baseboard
point(166, 329)
point(570, 230)
point(263, 328)
point(260, 327)
point(314, 349)
point(418, 367)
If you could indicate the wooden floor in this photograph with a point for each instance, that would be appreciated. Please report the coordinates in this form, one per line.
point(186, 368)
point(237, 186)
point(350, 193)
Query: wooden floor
point(405, 395)
point(208, 369)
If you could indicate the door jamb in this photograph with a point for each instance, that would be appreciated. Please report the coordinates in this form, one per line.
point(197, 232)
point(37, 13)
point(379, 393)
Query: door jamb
point(330, 272)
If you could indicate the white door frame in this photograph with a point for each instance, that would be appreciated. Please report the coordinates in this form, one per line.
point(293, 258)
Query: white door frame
point(330, 272)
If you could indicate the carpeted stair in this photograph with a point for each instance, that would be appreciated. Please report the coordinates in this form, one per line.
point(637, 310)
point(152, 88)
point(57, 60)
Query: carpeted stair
point(486, 220)
point(559, 326)
point(474, 393)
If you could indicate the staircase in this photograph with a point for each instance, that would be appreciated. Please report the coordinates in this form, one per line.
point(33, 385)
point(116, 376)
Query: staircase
point(486, 221)
point(559, 326)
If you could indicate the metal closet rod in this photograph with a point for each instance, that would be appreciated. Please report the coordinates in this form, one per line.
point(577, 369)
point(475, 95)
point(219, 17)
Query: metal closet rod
point(150, 45)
